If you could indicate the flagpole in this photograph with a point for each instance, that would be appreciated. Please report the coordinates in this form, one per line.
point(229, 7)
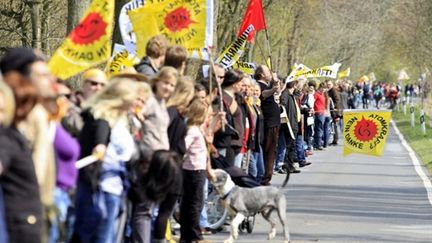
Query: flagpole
point(269, 50)
point(211, 71)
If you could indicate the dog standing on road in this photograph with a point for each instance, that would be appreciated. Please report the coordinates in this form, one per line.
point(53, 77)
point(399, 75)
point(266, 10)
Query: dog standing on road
point(243, 202)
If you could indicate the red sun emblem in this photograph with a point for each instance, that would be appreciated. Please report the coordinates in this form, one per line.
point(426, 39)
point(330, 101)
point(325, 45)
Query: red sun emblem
point(178, 19)
point(365, 130)
point(89, 30)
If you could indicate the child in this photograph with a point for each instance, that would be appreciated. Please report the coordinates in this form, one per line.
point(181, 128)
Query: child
point(195, 165)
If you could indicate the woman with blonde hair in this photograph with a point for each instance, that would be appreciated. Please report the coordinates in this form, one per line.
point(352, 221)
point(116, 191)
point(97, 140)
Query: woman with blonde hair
point(155, 137)
point(156, 118)
point(177, 107)
point(106, 134)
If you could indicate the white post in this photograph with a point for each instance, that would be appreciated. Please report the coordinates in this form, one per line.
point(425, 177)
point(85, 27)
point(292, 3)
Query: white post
point(404, 105)
point(412, 115)
point(422, 122)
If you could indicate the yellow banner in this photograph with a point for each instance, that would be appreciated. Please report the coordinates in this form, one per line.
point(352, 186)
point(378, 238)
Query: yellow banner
point(184, 23)
point(88, 44)
point(365, 132)
point(246, 67)
point(120, 61)
point(345, 73)
point(235, 50)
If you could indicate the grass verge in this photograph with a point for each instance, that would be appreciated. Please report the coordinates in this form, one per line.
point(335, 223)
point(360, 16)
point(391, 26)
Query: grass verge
point(421, 144)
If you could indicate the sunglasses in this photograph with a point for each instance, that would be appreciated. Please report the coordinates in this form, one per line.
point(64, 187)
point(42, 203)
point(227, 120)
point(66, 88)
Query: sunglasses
point(94, 83)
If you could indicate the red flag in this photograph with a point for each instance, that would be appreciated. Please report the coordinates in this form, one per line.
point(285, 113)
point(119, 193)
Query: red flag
point(254, 15)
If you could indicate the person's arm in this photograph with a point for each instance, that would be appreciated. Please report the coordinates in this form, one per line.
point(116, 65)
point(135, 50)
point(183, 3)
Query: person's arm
point(269, 92)
point(101, 138)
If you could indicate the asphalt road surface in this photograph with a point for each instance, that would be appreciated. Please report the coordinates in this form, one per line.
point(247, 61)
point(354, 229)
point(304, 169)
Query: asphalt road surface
point(356, 198)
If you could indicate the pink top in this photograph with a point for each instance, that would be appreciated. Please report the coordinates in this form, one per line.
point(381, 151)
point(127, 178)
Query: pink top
point(196, 150)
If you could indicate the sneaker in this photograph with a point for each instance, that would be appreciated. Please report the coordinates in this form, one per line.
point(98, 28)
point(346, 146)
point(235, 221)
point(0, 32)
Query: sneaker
point(291, 169)
point(304, 163)
point(281, 171)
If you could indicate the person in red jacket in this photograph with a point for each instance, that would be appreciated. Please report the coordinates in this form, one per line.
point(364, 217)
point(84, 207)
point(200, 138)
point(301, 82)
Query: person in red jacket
point(319, 108)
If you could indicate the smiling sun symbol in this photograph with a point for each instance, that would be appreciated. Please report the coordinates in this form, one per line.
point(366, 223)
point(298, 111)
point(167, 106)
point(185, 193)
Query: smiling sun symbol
point(91, 29)
point(178, 19)
point(365, 130)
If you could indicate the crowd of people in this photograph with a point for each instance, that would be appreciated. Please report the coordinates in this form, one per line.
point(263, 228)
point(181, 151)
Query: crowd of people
point(109, 162)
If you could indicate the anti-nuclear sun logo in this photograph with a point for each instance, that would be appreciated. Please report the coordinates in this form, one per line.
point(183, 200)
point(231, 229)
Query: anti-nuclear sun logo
point(365, 130)
point(178, 19)
point(91, 29)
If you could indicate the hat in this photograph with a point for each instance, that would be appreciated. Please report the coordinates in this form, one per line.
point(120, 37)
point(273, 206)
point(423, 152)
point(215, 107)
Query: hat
point(93, 73)
point(17, 59)
point(130, 72)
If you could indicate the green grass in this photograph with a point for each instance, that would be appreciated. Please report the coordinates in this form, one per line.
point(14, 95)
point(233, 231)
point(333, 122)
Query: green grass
point(421, 144)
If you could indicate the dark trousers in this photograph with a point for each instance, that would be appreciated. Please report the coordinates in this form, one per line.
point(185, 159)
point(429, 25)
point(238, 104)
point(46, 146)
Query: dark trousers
point(271, 136)
point(142, 219)
point(191, 205)
point(290, 153)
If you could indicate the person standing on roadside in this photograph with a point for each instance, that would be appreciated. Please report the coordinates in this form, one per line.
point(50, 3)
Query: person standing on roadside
point(270, 85)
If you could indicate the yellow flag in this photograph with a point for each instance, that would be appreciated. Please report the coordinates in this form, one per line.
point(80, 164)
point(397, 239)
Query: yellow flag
point(365, 132)
point(246, 67)
point(120, 61)
point(345, 73)
point(184, 23)
point(88, 44)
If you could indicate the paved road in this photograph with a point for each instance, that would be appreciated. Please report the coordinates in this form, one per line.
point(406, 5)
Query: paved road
point(353, 199)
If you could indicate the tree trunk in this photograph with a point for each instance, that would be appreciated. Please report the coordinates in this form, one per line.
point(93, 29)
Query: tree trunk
point(35, 22)
point(76, 9)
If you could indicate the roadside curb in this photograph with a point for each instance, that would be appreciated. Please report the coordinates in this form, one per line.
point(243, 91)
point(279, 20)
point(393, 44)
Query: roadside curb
point(419, 167)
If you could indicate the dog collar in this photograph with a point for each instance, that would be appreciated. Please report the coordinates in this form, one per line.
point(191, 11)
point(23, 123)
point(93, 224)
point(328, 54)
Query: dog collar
point(227, 189)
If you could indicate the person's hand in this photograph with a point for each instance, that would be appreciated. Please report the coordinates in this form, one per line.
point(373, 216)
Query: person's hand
point(99, 151)
point(211, 175)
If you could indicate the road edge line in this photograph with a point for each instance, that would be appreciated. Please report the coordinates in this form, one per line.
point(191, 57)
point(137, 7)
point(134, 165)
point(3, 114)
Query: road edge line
point(418, 167)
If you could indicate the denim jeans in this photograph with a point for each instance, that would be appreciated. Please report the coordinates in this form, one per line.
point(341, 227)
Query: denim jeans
point(299, 148)
point(62, 203)
point(203, 217)
point(256, 165)
point(327, 130)
point(308, 136)
point(319, 130)
point(106, 232)
point(281, 150)
point(3, 232)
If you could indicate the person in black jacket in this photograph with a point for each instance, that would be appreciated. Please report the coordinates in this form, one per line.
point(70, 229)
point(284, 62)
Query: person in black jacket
point(23, 207)
point(290, 128)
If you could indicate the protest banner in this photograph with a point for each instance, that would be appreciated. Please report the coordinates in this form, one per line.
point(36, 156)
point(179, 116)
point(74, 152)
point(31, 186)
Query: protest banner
point(235, 50)
point(246, 67)
point(345, 73)
point(185, 23)
point(88, 44)
point(301, 70)
point(365, 132)
point(125, 26)
point(120, 60)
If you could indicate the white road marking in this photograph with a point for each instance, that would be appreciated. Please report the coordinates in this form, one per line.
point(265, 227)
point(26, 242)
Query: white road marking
point(415, 161)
